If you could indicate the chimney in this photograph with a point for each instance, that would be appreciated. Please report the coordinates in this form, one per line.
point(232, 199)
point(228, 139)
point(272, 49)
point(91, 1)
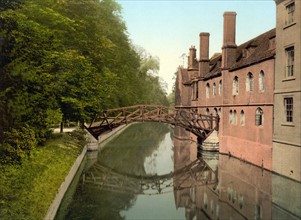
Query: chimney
point(192, 58)
point(229, 46)
point(204, 54)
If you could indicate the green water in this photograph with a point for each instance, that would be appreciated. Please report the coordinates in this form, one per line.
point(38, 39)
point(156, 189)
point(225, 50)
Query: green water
point(149, 171)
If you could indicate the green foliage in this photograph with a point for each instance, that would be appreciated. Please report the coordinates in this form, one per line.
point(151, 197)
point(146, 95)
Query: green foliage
point(18, 143)
point(66, 61)
point(9, 4)
point(27, 191)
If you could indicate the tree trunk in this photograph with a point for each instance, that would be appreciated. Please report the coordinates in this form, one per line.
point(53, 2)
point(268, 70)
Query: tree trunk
point(62, 127)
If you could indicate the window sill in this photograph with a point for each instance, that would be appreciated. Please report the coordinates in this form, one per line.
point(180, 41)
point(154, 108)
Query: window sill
point(288, 124)
point(289, 25)
point(289, 79)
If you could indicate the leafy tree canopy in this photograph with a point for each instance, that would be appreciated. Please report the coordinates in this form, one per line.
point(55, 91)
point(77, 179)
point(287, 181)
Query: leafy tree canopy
point(67, 60)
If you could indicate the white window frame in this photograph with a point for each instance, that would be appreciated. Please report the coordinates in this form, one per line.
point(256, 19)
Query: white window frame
point(288, 109)
point(290, 13)
point(290, 57)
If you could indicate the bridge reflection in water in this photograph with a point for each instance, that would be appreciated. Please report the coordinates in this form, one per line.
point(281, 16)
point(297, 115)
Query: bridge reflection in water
point(211, 187)
point(104, 178)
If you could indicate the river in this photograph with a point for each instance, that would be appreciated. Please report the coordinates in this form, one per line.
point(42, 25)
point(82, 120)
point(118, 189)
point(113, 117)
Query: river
point(151, 171)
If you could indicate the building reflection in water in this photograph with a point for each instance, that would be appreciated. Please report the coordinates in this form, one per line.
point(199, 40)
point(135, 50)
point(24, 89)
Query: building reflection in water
point(241, 190)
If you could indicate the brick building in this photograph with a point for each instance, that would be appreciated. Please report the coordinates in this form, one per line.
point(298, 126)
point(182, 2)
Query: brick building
point(239, 85)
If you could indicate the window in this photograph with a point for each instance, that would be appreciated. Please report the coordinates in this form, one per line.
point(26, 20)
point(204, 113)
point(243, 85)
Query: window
point(207, 111)
point(290, 9)
point(242, 118)
point(215, 112)
point(234, 117)
point(231, 117)
point(220, 87)
point(261, 81)
point(288, 106)
point(195, 91)
point(289, 61)
point(249, 82)
point(214, 89)
point(235, 85)
point(207, 90)
point(259, 117)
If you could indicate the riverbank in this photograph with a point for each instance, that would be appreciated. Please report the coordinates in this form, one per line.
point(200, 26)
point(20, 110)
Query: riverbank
point(27, 191)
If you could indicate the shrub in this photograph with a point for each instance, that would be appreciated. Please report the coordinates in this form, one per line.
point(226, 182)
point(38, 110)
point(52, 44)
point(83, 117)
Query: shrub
point(17, 144)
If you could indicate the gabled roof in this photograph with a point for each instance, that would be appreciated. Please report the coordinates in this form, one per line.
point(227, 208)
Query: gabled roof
point(259, 48)
point(251, 52)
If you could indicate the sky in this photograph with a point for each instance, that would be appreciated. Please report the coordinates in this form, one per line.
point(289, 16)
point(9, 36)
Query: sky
point(168, 28)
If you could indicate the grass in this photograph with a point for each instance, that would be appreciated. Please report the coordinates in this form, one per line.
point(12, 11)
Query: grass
point(27, 191)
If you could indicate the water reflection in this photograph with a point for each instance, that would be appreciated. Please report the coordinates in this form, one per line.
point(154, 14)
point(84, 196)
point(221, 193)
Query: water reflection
point(243, 191)
point(124, 154)
point(152, 172)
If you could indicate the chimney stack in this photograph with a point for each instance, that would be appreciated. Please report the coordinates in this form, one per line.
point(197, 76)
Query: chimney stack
point(192, 57)
point(229, 45)
point(204, 54)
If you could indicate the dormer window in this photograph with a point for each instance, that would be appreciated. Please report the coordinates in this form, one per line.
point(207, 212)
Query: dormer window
point(290, 10)
point(246, 52)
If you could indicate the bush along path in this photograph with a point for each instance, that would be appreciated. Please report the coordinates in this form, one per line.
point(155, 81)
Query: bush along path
point(27, 190)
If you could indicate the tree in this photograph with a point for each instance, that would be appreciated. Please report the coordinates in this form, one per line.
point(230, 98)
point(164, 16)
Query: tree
point(68, 60)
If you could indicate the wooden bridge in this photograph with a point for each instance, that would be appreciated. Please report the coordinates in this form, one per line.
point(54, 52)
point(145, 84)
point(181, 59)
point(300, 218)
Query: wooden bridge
point(186, 117)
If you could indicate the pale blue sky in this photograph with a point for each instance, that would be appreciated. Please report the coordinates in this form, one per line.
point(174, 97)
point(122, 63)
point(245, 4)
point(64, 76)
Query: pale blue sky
point(167, 28)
